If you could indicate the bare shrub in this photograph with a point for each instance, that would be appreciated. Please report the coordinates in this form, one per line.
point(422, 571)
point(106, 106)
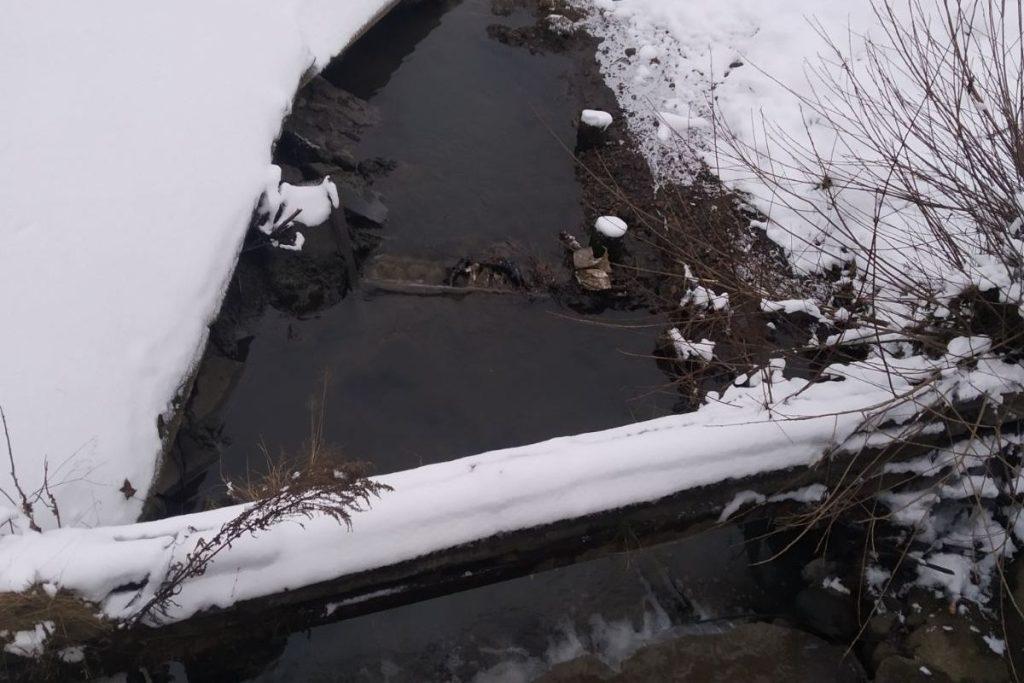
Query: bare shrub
point(26, 501)
point(909, 187)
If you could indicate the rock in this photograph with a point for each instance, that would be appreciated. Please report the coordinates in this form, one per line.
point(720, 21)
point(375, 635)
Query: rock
point(1014, 619)
point(898, 669)
point(361, 201)
point(881, 625)
point(828, 612)
point(751, 653)
point(589, 137)
point(585, 669)
point(323, 125)
point(299, 149)
point(879, 653)
point(315, 277)
point(945, 644)
point(817, 570)
point(314, 171)
point(290, 174)
point(376, 166)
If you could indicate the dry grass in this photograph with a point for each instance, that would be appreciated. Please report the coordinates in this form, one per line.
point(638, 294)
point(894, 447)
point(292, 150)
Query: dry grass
point(313, 483)
point(74, 620)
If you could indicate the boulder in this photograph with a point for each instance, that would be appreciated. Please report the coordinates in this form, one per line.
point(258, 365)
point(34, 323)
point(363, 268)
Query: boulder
point(896, 669)
point(752, 653)
point(946, 644)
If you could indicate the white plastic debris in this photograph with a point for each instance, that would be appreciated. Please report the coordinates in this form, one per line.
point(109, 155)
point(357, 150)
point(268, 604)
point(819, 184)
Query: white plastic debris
point(611, 226)
point(596, 118)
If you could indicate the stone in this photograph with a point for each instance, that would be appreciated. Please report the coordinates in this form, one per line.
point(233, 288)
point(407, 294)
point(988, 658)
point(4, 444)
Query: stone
point(881, 625)
point(817, 570)
point(585, 669)
point(945, 643)
point(898, 669)
point(290, 174)
point(879, 653)
point(752, 653)
point(315, 277)
point(361, 201)
point(828, 613)
point(324, 124)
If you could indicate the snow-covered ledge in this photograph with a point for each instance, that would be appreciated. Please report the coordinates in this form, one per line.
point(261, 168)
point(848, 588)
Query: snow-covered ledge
point(135, 140)
point(517, 491)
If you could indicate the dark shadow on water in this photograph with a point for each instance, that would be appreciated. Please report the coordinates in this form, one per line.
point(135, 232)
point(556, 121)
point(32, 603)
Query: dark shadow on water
point(367, 66)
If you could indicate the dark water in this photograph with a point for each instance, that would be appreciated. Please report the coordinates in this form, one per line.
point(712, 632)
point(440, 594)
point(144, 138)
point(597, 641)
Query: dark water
point(477, 129)
point(480, 131)
point(516, 630)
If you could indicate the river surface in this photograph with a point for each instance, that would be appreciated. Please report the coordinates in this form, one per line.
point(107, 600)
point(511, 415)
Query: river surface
point(479, 131)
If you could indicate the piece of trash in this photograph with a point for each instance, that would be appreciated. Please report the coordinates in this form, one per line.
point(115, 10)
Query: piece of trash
point(592, 273)
point(594, 279)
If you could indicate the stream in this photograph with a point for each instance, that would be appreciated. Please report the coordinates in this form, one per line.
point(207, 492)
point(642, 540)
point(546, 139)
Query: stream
point(478, 137)
point(478, 132)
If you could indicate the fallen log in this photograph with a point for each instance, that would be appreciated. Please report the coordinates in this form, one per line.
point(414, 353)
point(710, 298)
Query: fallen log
point(469, 522)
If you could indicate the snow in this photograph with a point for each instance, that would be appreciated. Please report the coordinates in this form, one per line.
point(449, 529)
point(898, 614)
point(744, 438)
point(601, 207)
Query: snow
point(310, 205)
point(30, 643)
point(703, 350)
point(610, 226)
point(790, 306)
point(134, 150)
point(814, 493)
point(957, 582)
point(738, 501)
point(836, 584)
point(997, 645)
point(596, 118)
point(704, 297)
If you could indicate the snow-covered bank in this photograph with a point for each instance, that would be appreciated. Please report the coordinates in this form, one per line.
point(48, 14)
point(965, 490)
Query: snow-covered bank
point(692, 74)
point(135, 141)
point(432, 508)
point(853, 132)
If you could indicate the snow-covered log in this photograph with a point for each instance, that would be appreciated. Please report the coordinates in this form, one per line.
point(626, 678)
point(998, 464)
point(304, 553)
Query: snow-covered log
point(487, 517)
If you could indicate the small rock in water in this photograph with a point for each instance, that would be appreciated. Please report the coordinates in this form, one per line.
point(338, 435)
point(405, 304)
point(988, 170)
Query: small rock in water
point(597, 118)
point(611, 226)
point(361, 201)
